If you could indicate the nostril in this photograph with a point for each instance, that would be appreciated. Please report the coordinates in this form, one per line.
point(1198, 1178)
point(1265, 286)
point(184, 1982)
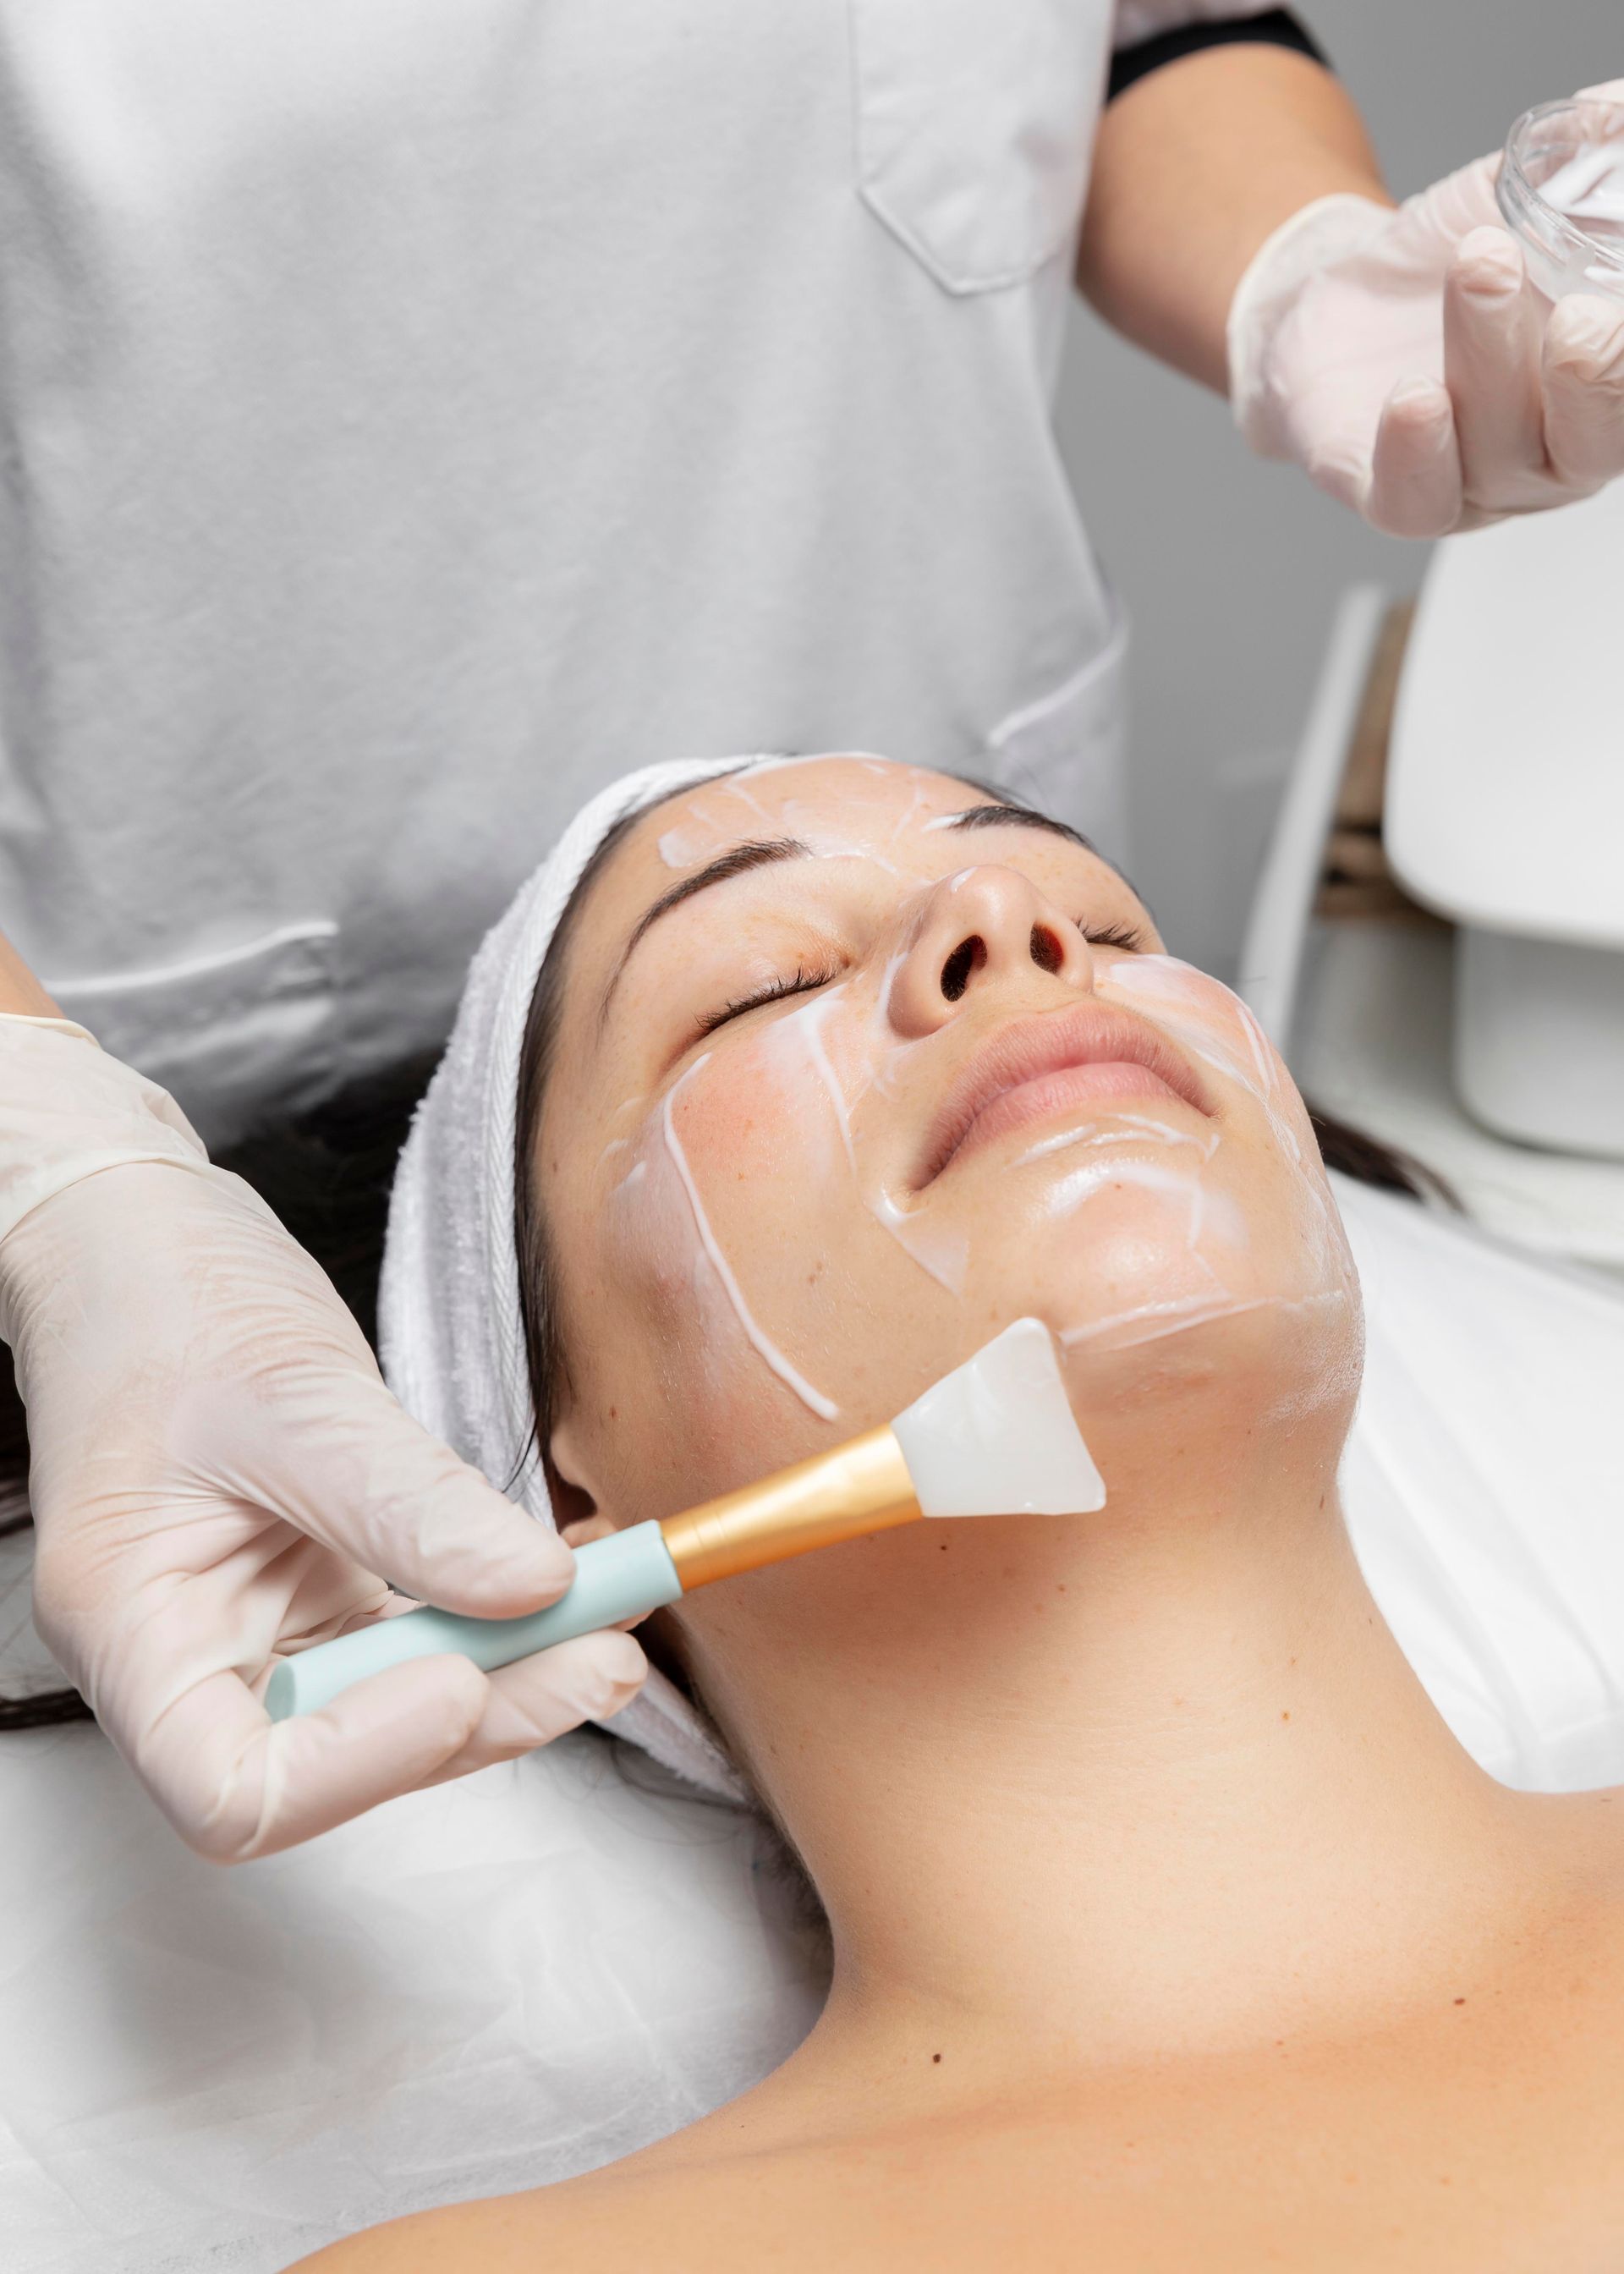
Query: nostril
point(963, 960)
point(1046, 951)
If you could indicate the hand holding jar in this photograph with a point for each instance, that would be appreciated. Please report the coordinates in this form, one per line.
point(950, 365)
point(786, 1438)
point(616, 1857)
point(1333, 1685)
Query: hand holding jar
point(1409, 358)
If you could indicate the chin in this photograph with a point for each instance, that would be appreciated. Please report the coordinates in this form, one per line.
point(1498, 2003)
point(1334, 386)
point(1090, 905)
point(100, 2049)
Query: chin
point(1246, 1377)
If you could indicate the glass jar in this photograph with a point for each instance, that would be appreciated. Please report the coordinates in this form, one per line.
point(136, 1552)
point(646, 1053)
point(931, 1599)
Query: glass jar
point(1561, 191)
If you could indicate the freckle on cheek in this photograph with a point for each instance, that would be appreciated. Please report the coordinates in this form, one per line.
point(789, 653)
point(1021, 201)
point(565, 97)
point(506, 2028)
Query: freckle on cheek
point(689, 1157)
point(718, 1129)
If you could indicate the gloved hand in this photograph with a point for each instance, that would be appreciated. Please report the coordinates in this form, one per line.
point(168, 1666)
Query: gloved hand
point(219, 1477)
point(1402, 360)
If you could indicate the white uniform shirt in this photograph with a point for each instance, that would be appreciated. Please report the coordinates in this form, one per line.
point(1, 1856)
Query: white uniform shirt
point(415, 412)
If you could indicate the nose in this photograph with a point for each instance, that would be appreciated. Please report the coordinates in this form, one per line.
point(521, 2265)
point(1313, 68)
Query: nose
point(983, 926)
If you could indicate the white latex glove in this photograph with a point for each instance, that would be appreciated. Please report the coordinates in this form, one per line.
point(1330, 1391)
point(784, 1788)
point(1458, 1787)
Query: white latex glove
point(220, 1476)
point(1403, 360)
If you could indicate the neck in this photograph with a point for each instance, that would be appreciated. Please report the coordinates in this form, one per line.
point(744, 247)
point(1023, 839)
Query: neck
point(1122, 1786)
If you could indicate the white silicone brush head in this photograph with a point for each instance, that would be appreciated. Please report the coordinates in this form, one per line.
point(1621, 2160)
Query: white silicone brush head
point(996, 1438)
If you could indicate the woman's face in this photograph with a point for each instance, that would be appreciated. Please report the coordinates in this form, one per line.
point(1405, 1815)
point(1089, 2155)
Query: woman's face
point(856, 1066)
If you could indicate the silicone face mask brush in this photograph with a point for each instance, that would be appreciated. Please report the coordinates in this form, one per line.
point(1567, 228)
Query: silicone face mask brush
point(996, 1437)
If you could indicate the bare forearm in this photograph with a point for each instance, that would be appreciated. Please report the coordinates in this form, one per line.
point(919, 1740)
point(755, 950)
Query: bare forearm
point(1195, 165)
point(19, 991)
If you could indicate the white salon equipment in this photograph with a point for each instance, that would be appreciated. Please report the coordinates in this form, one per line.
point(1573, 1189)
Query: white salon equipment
point(1506, 814)
point(1472, 1011)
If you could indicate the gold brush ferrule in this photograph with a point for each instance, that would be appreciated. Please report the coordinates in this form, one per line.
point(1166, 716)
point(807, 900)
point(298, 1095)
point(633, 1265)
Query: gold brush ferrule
point(861, 1487)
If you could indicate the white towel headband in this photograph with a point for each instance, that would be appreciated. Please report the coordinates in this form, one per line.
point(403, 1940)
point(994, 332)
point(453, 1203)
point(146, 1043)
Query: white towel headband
point(449, 1326)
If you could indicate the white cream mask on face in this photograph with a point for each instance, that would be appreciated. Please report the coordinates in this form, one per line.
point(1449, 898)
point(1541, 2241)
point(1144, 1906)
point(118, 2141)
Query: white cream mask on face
point(1219, 1029)
point(798, 1041)
point(1134, 1150)
point(1112, 1150)
point(1136, 1173)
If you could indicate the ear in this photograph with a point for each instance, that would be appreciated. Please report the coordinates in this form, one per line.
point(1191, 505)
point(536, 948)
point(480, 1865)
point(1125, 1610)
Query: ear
point(578, 1533)
point(575, 1507)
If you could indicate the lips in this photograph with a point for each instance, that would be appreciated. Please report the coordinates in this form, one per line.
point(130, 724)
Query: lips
point(1013, 1077)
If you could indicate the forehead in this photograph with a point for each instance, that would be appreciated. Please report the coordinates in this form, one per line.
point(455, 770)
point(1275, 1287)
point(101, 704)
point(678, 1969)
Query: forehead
point(851, 807)
point(830, 803)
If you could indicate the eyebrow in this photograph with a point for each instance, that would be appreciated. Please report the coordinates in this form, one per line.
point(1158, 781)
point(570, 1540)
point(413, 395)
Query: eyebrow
point(1025, 817)
point(996, 816)
point(754, 853)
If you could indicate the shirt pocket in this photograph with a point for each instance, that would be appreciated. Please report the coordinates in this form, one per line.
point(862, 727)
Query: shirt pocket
point(974, 126)
point(231, 1034)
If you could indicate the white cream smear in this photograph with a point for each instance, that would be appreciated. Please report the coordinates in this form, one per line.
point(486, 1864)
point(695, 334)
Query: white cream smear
point(941, 1251)
point(718, 813)
point(1180, 1000)
point(823, 1407)
point(1148, 1322)
point(1159, 1132)
point(1206, 1213)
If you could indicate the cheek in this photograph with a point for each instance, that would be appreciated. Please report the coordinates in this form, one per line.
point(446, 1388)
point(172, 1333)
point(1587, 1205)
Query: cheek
point(668, 1328)
point(1224, 1033)
point(1220, 1031)
point(769, 1109)
point(771, 1151)
point(674, 1366)
point(721, 1236)
point(1185, 1263)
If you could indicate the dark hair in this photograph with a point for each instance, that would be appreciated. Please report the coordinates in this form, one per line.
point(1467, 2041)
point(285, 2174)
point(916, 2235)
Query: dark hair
point(328, 1175)
point(546, 1357)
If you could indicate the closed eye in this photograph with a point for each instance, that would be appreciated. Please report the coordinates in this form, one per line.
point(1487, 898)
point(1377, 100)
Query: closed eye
point(1112, 935)
point(804, 983)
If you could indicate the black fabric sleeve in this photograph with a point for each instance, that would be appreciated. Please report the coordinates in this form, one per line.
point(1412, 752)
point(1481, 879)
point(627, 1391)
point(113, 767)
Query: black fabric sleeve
point(1276, 27)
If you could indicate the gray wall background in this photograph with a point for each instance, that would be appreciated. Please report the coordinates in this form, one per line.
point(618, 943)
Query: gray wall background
point(1230, 569)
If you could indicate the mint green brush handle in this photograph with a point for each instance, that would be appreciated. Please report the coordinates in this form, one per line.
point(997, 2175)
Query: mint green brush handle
point(616, 1578)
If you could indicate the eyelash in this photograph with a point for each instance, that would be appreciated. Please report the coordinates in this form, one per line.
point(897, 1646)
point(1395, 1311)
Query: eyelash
point(1115, 935)
point(806, 983)
point(775, 990)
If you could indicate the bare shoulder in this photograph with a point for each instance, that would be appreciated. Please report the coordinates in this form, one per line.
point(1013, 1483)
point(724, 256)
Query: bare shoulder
point(622, 2220)
point(508, 2231)
point(642, 2212)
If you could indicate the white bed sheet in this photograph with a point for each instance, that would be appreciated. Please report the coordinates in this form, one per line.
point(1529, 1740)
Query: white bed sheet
point(1485, 1487)
point(518, 1977)
point(504, 1981)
